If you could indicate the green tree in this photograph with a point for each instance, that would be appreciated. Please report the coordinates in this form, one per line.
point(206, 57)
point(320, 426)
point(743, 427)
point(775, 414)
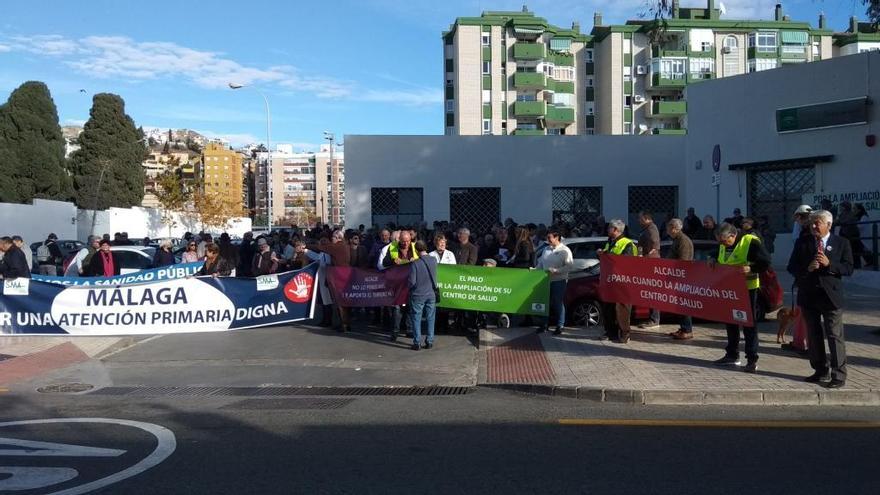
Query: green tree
point(110, 156)
point(32, 147)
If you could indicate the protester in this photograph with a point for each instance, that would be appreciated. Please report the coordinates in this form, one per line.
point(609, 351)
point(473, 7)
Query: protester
point(707, 233)
point(818, 264)
point(377, 247)
point(164, 254)
point(443, 256)
point(692, 224)
point(682, 250)
point(104, 263)
point(324, 260)
point(616, 315)
point(80, 262)
point(748, 253)
point(14, 263)
point(748, 227)
point(649, 247)
point(215, 265)
point(49, 256)
point(400, 252)
point(299, 260)
point(191, 254)
point(393, 237)
point(265, 262)
point(422, 295)
point(801, 225)
point(205, 239)
point(736, 219)
point(20, 244)
point(357, 253)
point(146, 241)
point(228, 251)
point(340, 252)
point(466, 253)
point(557, 261)
point(246, 252)
point(524, 250)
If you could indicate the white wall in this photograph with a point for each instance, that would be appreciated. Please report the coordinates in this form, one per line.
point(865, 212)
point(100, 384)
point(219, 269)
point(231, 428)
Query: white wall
point(525, 168)
point(35, 221)
point(739, 114)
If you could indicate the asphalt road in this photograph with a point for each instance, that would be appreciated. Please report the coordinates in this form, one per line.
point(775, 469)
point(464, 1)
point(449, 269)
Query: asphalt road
point(484, 442)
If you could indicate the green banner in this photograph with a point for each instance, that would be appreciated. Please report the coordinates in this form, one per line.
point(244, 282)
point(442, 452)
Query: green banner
point(494, 290)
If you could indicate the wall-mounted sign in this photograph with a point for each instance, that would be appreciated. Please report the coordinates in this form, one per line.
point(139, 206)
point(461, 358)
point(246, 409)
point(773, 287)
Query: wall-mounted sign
point(840, 113)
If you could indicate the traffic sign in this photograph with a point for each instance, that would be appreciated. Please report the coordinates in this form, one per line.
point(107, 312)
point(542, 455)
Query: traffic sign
point(716, 158)
point(716, 179)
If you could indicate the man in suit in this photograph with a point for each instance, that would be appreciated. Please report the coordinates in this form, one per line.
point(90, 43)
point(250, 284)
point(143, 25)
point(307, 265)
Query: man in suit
point(818, 263)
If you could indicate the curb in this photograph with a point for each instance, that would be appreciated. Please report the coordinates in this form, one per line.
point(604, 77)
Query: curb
point(700, 398)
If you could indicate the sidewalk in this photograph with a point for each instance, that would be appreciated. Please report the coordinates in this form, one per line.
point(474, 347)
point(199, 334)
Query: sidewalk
point(655, 369)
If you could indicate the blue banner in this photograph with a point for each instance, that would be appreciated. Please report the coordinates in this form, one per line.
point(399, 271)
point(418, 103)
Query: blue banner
point(183, 305)
point(171, 272)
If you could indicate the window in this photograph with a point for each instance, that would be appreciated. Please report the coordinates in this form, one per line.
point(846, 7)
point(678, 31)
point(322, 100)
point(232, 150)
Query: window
point(589, 132)
point(589, 82)
point(588, 53)
point(399, 205)
point(554, 131)
point(450, 119)
point(526, 97)
point(757, 65)
point(762, 41)
point(486, 39)
point(730, 42)
point(705, 46)
point(775, 191)
point(627, 101)
point(590, 108)
point(450, 105)
point(670, 68)
point(479, 207)
point(450, 66)
point(487, 96)
point(487, 67)
point(661, 200)
point(576, 205)
point(487, 126)
point(627, 128)
point(563, 99)
point(627, 78)
point(702, 66)
point(563, 73)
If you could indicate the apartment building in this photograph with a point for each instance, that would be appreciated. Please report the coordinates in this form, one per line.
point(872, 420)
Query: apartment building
point(644, 66)
point(222, 173)
point(158, 163)
point(514, 73)
point(306, 187)
point(861, 37)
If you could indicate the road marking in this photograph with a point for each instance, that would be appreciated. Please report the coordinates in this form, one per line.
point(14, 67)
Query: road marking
point(719, 423)
point(39, 478)
point(30, 448)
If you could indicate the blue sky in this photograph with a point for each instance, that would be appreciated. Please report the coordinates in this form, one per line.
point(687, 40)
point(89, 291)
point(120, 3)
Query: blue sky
point(351, 67)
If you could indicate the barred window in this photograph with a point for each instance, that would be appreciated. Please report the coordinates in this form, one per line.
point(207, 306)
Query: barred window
point(577, 205)
point(397, 205)
point(659, 200)
point(775, 192)
point(477, 207)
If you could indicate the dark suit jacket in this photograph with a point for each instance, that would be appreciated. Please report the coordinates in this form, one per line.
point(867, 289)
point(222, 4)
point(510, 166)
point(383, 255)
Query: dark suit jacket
point(96, 265)
point(825, 279)
point(14, 264)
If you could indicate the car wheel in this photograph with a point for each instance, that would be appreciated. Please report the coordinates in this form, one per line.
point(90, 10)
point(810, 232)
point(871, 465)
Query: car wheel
point(586, 314)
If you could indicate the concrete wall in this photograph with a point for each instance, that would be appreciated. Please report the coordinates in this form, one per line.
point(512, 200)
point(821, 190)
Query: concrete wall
point(738, 113)
point(525, 168)
point(35, 221)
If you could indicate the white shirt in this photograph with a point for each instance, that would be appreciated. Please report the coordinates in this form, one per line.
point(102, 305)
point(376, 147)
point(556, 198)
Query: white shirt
point(447, 259)
point(558, 257)
point(382, 255)
point(74, 269)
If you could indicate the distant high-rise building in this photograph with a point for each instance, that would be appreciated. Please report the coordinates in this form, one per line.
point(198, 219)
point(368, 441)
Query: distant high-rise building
point(221, 173)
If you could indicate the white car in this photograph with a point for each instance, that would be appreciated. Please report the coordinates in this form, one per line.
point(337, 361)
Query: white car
point(134, 258)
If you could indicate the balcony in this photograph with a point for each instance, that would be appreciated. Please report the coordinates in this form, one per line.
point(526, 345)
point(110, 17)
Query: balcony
point(755, 53)
point(528, 132)
point(529, 80)
point(708, 53)
point(695, 77)
point(667, 108)
point(529, 108)
point(559, 115)
point(668, 81)
point(529, 51)
point(668, 132)
point(797, 52)
point(668, 51)
point(563, 59)
point(560, 86)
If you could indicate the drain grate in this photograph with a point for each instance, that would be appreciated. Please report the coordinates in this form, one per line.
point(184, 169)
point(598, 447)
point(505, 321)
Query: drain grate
point(279, 391)
point(65, 388)
point(299, 404)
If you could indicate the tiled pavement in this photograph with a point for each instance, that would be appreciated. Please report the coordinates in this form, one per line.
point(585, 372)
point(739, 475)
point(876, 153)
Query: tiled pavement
point(654, 363)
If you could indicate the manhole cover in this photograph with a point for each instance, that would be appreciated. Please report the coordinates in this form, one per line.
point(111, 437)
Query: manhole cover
point(65, 388)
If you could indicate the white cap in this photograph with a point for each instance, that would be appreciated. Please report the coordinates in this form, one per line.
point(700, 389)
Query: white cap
point(803, 209)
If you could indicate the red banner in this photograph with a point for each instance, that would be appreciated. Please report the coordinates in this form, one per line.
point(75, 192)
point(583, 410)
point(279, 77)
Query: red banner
point(360, 288)
point(683, 287)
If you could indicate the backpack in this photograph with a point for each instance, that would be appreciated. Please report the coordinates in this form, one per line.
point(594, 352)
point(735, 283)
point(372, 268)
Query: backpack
point(43, 254)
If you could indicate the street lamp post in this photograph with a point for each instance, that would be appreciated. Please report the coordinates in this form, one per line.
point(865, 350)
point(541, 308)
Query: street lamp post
point(335, 197)
point(269, 194)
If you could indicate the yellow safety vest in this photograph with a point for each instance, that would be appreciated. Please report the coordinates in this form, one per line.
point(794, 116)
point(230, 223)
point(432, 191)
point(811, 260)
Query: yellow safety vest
point(739, 257)
point(394, 251)
point(619, 245)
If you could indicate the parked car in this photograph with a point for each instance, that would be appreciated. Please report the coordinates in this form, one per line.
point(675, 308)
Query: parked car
point(585, 248)
point(134, 258)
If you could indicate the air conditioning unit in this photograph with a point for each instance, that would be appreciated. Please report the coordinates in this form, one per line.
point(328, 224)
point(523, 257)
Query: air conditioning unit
point(638, 99)
point(641, 70)
point(726, 49)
